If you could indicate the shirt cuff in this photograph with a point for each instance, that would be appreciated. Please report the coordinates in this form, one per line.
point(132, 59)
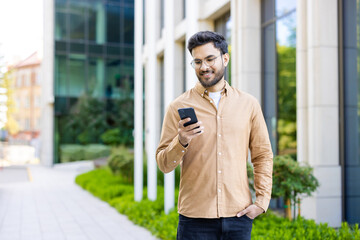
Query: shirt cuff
point(262, 202)
point(177, 151)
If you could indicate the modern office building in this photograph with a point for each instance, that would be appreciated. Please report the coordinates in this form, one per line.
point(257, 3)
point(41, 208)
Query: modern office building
point(88, 56)
point(298, 58)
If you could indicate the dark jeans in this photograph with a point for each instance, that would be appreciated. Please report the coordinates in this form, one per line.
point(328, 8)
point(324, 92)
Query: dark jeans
point(238, 228)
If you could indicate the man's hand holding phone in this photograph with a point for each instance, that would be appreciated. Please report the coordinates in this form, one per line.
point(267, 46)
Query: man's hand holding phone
point(189, 127)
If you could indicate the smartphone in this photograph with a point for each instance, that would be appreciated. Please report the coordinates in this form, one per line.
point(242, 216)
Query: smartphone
point(188, 112)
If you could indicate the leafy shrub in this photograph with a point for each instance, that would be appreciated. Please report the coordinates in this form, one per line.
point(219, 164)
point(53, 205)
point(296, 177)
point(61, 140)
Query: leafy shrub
point(76, 152)
point(121, 162)
point(290, 180)
point(94, 151)
point(150, 214)
point(117, 136)
point(71, 152)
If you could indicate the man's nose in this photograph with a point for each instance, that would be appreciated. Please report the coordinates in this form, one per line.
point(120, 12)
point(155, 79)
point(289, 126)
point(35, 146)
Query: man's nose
point(203, 66)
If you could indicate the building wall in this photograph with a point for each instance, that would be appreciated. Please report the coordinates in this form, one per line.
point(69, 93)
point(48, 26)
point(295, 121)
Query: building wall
point(89, 58)
point(317, 80)
point(27, 93)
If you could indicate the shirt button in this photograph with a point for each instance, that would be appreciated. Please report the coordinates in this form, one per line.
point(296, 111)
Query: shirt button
point(218, 117)
point(174, 161)
point(219, 171)
point(219, 153)
point(219, 135)
point(219, 190)
point(202, 95)
point(182, 151)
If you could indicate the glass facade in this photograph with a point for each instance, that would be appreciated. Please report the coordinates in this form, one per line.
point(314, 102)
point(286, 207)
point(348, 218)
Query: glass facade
point(351, 107)
point(94, 45)
point(223, 26)
point(279, 73)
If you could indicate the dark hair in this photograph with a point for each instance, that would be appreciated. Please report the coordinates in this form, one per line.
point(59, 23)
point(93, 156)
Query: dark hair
point(205, 37)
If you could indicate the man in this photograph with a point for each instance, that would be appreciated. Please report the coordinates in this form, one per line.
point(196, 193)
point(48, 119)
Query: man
point(214, 198)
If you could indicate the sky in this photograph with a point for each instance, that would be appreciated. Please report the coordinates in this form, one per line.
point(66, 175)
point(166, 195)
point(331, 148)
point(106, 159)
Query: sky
point(21, 26)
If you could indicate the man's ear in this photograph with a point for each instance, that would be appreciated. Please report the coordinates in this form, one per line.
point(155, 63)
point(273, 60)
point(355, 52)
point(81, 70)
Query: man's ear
point(226, 59)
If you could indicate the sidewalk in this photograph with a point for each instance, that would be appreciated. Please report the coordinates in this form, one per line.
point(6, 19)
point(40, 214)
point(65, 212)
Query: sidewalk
point(52, 206)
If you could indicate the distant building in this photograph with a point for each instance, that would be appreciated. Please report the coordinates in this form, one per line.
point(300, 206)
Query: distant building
point(27, 96)
point(88, 52)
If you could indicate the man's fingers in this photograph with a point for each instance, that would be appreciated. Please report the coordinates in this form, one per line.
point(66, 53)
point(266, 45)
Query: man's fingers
point(183, 121)
point(243, 212)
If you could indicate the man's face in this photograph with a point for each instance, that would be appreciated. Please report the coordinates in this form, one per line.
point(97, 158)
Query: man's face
point(210, 75)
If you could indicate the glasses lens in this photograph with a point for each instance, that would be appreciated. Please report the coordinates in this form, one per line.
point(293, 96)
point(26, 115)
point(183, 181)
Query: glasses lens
point(210, 61)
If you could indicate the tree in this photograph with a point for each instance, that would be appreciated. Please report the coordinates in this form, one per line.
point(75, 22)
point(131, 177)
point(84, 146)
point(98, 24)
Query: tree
point(290, 181)
point(6, 93)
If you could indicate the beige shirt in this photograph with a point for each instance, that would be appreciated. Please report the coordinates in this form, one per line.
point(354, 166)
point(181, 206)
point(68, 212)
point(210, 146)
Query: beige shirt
point(214, 180)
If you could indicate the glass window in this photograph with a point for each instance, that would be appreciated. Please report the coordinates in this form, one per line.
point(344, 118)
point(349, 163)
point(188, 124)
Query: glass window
point(129, 25)
point(113, 78)
point(351, 106)
point(113, 24)
point(76, 76)
point(76, 13)
point(96, 77)
point(279, 73)
point(223, 26)
point(97, 27)
point(60, 76)
point(60, 21)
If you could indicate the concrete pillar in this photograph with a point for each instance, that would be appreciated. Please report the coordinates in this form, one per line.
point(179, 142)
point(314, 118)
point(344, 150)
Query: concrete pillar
point(151, 92)
point(318, 105)
point(302, 82)
point(138, 98)
point(246, 46)
point(47, 101)
point(192, 26)
point(169, 90)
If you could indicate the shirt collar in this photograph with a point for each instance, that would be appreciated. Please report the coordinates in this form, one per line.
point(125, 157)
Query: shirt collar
point(202, 91)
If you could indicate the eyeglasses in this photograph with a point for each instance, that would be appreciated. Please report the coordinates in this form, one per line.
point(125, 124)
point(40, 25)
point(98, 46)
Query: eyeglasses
point(197, 63)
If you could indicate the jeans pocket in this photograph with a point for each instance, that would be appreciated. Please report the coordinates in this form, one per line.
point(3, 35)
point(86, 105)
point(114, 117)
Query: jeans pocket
point(247, 218)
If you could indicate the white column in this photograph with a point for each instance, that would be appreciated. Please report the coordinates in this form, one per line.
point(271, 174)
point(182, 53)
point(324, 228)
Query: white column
point(138, 160)
point(169, 78)
point(302, 82)
point(246, 46)
point(192, 26)
point(151, 94)
point(47, 101)
point(323, 110)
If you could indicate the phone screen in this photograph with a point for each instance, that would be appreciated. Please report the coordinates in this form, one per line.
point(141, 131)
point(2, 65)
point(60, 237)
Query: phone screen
point(188, 112)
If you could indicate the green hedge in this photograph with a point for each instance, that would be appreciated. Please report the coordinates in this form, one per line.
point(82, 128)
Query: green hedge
point(76, 152)
point(150, 214)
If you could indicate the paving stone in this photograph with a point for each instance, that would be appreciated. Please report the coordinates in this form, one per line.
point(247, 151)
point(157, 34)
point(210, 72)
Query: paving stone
point(53, 207)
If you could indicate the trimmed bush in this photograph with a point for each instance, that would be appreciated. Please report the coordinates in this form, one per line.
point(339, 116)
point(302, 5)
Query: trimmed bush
point(76, 152)
point(121, 162)
point(150, 214)
point(71, 152)
point(94, 151)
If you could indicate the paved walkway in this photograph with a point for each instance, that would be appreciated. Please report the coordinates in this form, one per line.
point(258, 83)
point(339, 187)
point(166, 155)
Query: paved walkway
point(52, 206)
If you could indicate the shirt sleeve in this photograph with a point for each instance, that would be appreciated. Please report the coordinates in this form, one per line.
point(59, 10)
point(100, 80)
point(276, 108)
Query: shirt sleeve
point(261, 158)
point(170, 152)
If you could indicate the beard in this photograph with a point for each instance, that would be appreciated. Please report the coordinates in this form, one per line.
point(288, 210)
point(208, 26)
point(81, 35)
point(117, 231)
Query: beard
point(218, 76)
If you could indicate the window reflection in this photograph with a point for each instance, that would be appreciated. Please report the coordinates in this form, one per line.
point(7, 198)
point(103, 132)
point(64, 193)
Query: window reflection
point(279, 73)
point(223, 26)
point(351, 106)
point(93, 66)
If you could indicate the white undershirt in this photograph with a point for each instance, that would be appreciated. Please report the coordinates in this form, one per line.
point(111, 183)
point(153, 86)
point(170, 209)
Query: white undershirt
point(216, 97)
